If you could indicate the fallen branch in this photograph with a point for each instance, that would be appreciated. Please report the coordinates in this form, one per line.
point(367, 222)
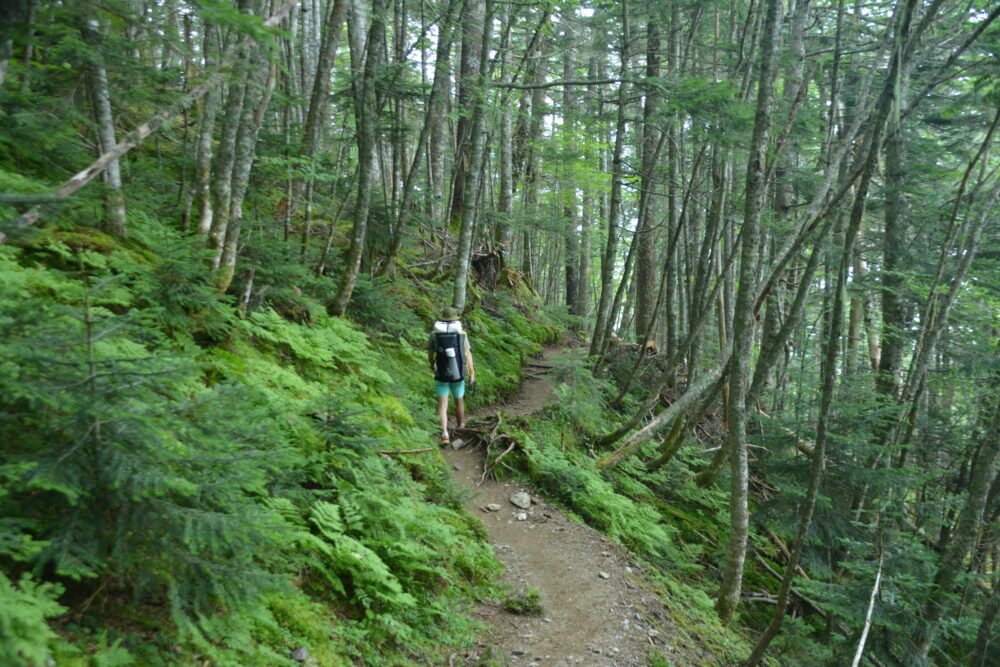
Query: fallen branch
point(801, 444)
point(812, 603)
point(665, 418)
point(784, 550)
point(393, 452)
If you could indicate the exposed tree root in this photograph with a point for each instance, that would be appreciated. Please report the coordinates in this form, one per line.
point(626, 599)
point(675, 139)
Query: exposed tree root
point(487, 433)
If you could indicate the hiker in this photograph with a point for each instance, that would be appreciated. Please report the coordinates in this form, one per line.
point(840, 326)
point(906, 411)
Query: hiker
point(451, 360)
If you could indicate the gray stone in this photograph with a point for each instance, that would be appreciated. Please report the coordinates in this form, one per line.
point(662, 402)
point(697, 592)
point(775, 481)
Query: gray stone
point(301, 654)
point(653, 632)
point(603, 575)
point(492, 507)
point(521, 499)
point(457, 443)
point(521, 516)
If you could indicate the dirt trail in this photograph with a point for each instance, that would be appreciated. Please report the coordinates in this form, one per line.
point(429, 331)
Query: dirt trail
point(598, 609)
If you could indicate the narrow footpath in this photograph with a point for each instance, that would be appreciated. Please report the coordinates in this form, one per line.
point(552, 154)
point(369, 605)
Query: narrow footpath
point(597, 607)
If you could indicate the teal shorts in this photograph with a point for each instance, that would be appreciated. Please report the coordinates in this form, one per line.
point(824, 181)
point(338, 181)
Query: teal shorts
point(456, 389)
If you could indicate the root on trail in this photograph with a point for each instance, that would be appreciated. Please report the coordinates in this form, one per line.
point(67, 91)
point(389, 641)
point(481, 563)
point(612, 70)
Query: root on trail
point(487, 432)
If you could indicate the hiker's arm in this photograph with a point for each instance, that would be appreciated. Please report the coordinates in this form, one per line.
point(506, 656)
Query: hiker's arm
point(468, 362)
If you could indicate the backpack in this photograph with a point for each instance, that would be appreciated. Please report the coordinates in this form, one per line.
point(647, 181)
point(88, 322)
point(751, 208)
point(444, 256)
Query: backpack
point(450, 355)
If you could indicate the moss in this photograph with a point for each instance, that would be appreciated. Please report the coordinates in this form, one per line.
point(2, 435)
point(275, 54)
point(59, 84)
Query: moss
point(526, 602)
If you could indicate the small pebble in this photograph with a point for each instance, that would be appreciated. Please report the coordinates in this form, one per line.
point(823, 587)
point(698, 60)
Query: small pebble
point(653, 632)
point(492, 507)
point(521, 516)
point(603, 575)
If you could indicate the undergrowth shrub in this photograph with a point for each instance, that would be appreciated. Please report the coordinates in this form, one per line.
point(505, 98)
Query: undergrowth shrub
point(381, 305)
point(132, 474)
point(580, 403)
point(25, 606)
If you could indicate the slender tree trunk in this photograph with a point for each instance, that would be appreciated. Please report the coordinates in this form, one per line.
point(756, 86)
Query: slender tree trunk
point(473, 29)
point(964, 536)
point(225, 158)
point(477, 143)
point(828, 379)
point(597, 342)
point(744, 325)
point(571, 240)
point(984, 636)
point(257, 99)
point(366, 113)
point(206, 132)
point(435, 111)
point(115, 201)
point(319, 104)
point(645, 269)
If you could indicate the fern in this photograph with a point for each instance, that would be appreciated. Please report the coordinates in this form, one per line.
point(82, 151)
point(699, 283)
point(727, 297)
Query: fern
point(24, 633)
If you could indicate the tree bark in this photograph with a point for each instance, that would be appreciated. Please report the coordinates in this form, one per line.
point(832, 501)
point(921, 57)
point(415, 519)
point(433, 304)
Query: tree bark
point(255, 104)
point(477, 142)
point(597, 341)
point(366, 114)
point(435, 110)
point(744, 324)
point(115, 222)
point(645, 269)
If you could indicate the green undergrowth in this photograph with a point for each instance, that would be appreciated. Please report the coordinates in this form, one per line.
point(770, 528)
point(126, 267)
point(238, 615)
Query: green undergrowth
point(673, 526)
point(184, 484)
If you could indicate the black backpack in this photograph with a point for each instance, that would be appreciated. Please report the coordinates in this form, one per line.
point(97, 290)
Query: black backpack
point(450, 360)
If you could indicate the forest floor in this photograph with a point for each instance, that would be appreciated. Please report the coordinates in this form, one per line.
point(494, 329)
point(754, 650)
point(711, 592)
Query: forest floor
point(597, 608)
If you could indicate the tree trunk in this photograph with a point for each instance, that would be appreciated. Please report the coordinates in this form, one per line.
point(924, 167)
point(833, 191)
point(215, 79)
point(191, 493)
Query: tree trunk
point(744, 325)
point(203, 142)
point(225, 159)
point(366, 113)
point(435, 111)
point(115, 200)
point(319, 104)
point(477, 141)
point(473, 33)
point(645, 269)
point(257, 98)
point(597, 341)
point(571, 240)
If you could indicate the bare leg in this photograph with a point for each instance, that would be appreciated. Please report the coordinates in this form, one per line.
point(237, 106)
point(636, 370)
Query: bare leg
point(443, 413)
point(460, 412)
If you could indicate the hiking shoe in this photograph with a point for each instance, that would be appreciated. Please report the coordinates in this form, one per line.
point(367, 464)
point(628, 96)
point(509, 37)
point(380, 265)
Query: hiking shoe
point(443, 440)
